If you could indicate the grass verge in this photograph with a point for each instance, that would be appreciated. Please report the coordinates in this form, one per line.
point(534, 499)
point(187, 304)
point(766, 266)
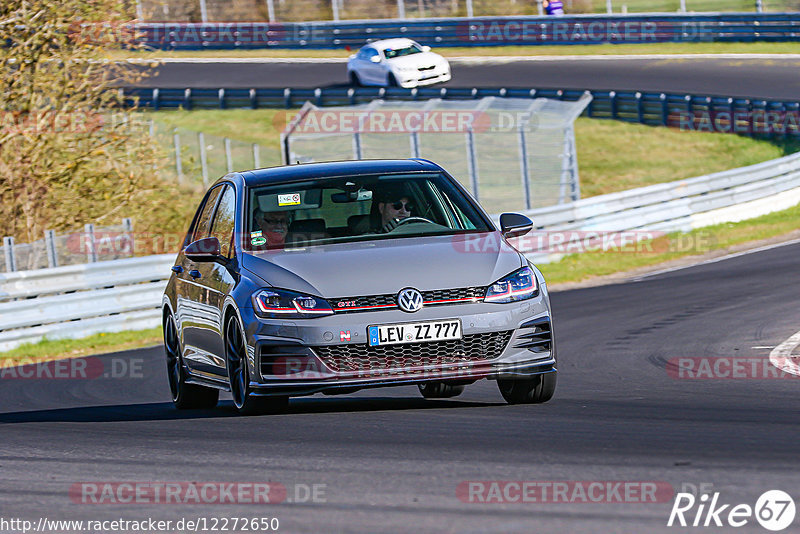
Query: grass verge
point(489, 51)
point(54, 349)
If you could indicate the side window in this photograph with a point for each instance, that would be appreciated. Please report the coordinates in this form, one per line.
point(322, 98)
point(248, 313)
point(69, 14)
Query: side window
point(224, 219)
point(201, 226)
point(371, 52)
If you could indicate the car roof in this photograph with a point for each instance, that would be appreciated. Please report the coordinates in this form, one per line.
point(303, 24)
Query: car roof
point(398, 42)
point(332, 169)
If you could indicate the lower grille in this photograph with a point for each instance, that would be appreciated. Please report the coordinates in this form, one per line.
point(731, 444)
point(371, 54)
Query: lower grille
point(409, 357)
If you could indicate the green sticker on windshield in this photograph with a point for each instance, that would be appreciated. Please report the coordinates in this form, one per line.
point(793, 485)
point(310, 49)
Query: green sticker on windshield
point(258, 241)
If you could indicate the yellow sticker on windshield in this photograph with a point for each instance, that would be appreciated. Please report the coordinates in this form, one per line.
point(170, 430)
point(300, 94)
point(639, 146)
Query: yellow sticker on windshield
point(292, 199)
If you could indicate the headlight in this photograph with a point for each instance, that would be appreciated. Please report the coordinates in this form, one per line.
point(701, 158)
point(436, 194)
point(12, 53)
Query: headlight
point(283, 304)
point(519, 285)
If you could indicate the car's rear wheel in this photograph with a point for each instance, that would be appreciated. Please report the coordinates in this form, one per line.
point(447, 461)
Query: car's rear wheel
point(354, 79)
point(239, 376)
point(184, 396)
point(534, 390)
point(440, 390)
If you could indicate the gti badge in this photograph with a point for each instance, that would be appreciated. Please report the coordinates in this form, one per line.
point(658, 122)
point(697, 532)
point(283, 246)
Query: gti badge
point(409, 300)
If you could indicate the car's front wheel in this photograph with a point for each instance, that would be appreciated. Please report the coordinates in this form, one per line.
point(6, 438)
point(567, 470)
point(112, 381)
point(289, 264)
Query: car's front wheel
point(440, 390)
point(355, 81)
point(239, 376)
point(392, 81)
point(184, 396)
point(534, 390)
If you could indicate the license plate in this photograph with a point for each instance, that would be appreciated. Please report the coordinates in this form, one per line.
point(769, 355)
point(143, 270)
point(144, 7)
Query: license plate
point(393, 334)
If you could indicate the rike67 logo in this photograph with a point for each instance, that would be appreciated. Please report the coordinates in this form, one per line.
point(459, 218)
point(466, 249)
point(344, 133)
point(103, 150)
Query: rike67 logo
point(774, 510)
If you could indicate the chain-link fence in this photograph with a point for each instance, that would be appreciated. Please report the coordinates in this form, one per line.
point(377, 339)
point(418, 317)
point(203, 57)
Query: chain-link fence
point(510, 153)
point(319, 10)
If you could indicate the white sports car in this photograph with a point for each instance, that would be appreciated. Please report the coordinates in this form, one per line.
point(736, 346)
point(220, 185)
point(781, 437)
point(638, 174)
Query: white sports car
point(397, 63)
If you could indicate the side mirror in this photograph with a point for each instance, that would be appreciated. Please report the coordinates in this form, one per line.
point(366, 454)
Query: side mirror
point(375, 59)
point(426, 48)
point(515, 225)
point(206, 249)
point(352, 56)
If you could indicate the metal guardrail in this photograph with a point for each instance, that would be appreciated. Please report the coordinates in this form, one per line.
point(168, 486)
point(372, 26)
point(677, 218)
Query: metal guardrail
point(747, 116)
point(482, 31)
point(80, 300)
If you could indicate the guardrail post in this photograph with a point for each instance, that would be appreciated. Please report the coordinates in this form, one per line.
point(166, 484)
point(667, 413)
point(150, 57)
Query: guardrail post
point(253, 99)
point(176, 140)
point(664, 109)
point(228, 155)
point(156, 99)
point(472, 162)
point(50, 246)
point(351, 96)
point(612, 95)
point(523, 165)
point(414, 139)
point(8, 249)
point(470, 12)
point(91, 251)
point(221, 97)
point(201, 140)
point(256, 156)
point(335, 9)
point(639, 108)
point(401, 9)
point(287, 98)
point(318, 94)
point(187, 98)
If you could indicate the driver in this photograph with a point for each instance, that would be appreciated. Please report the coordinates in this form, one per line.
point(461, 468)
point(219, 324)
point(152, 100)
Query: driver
point(393, 211)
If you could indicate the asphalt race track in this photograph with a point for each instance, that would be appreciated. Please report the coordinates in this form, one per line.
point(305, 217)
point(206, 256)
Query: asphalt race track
point(391, 461)
point(746, 78)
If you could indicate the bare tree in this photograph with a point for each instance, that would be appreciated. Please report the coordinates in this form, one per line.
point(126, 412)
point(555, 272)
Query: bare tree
point(70, 151)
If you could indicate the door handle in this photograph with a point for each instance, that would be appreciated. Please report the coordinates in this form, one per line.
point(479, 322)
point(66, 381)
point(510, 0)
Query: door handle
point(194, 273)
point(177, 269)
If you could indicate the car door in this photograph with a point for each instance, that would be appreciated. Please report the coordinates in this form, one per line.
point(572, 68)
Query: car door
point(375, 72)
point(217, 281)
point(193, 317)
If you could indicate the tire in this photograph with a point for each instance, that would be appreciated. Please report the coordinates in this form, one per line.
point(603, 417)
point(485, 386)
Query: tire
point(440, 390)
point(391, 81)
point(239, 376)
point(354, 79)
point(184, 396)
point(534, 390)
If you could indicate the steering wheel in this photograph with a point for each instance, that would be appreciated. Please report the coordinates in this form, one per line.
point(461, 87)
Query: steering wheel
point(413, 220)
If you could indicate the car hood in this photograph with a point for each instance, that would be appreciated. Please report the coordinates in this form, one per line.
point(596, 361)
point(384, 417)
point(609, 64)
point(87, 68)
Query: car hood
point(424, 59)
point(387, 266)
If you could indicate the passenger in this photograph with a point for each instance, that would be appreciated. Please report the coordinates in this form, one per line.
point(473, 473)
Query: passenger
point(274, 226)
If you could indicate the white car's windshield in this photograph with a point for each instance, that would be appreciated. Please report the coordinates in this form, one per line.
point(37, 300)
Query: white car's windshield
point(358, 208)
point(399, 52)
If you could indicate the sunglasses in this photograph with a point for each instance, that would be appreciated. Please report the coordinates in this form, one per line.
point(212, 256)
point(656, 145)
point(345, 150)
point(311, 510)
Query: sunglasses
point(274, 222)
point(399, 205)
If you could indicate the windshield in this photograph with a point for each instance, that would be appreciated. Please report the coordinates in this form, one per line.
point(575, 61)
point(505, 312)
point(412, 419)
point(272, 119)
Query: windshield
point(358, 208)
point(398, 52)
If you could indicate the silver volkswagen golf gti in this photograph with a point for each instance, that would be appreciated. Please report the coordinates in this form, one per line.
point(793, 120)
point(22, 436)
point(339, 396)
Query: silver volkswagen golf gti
point(334, 277)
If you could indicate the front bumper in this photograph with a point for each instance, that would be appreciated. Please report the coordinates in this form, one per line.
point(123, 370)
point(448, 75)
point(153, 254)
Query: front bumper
point(423, 78)
point(303, 357)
